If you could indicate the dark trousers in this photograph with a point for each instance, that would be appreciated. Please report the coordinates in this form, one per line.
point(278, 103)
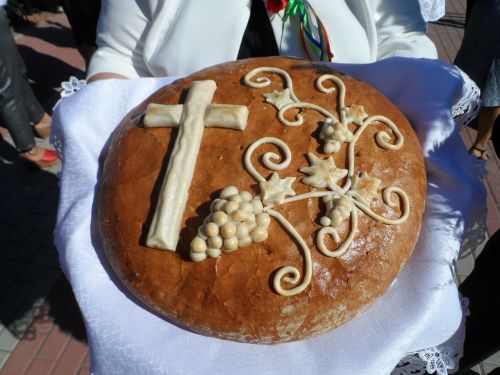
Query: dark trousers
point(83, 17)
point(19, 107)
point(482, 287)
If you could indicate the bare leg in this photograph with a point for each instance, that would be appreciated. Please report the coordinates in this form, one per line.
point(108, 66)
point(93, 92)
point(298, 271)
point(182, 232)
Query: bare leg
point(487, 118)
point(43, 127)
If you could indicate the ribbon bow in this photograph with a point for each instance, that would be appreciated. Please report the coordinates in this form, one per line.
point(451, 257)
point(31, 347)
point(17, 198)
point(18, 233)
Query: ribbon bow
point(313, 35)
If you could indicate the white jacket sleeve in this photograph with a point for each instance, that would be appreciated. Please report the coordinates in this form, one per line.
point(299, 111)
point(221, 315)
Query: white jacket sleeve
point(121, 25)
point(401, 29)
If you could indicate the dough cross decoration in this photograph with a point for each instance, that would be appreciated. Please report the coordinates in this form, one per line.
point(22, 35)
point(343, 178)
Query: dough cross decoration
point(191, 118)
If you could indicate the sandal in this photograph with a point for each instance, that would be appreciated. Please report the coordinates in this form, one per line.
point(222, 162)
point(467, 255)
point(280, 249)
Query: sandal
point(479, 153)
point(44, 159)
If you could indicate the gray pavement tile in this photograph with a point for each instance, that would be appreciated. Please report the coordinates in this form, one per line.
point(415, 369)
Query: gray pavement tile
point(3, 357)
point(4, 212)
point(12, 183)
point(11, 301)
point(25, 228)
point(37, 183)
point(494, 359)
point(32, 302)
point(478, 369)
point(41, 289)
point(54, 262)
point(7, 249)
point(34, 269)
point(47, 202)
point(30, 245)
point(489, 367)
point(5, 169)
point(49, 220)
point(5, 231)
point(22, 207)
point(8, 341)
point(465, 265)
point(24, 318)
point(9, 272)
point(18, 310)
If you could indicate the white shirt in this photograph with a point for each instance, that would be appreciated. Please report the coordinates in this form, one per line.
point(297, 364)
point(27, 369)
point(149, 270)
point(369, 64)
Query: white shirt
point(175, 37)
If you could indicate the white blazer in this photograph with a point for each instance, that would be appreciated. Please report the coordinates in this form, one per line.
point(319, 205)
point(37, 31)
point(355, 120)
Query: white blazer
point(175, 37)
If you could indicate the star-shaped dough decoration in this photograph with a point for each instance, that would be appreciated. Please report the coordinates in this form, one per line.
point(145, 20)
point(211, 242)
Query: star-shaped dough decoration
point(275, 189)
point(365, 187)
point(355, 113)
point(279, 98)
point(323, 173)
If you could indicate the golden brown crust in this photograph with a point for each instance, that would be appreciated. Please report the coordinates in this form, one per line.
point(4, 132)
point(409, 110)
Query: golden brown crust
point(231, 297)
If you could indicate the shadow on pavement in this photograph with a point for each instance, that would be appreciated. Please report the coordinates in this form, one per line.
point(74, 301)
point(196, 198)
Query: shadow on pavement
point(29, 267)
point(46, 74)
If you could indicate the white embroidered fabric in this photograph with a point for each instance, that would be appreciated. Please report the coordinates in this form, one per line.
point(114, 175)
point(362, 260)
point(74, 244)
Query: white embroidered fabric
point(420, 310)
point(432, 10)
point(467, 107)
point(440, 360)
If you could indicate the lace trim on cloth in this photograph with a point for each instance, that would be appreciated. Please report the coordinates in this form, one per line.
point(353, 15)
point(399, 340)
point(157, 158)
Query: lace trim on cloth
point(463, 112)
point(467, 107)
point(442, 359)
point(68, 88)
point(432, 10)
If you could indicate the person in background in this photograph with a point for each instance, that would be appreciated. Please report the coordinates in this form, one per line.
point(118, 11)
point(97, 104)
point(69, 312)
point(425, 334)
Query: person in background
point(479, 57)
point(139, 38)
point(20, 110)
point(83, 16)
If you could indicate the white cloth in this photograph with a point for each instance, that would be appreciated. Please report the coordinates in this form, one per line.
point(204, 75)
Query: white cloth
point(432, 10)
point(420, 310)
point(159, 38)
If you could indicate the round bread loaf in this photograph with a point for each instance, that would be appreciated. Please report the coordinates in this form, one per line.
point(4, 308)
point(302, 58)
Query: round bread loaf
point(265, 254)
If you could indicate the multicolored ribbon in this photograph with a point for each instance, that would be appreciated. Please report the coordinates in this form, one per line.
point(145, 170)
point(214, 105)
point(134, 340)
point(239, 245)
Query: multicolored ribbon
point(313, 35)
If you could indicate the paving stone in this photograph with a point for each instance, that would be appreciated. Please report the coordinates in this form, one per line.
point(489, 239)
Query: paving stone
point(3, 357)
point(20, 359)
point(42, 287)
point(4, 212)
point(5, 231)
point(40, 367)
point(12, 183)
point(17, 214)
point(31, 244)
point(48, 202)
point(44, 319)
point(26, 311)
point(34, 269)
point(35, 185)
point(465, 265)
point(72, 358)
point(49, 220)
point(489, 367)
point(84, 371)
point(54, 262)
point(7, 250)
point(23, 231)
point(11, 301)
point(53, 347)
point(8, 274)
point(494, 359)
point(478, 369)
point(24, 317)
point(8, 340)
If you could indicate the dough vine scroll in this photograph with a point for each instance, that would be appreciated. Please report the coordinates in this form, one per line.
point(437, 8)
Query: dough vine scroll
point(238, 218)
